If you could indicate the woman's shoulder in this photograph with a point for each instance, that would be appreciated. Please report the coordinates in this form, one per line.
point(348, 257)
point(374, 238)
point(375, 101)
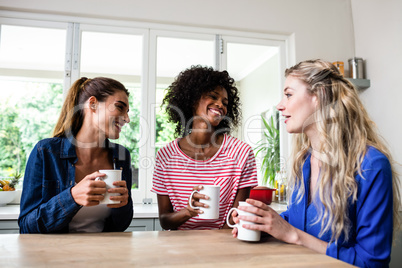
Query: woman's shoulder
point(50, 143)
point(374, 158)
point(233, 143)
point(172, 145)
point(169, 148)
point(375, 163)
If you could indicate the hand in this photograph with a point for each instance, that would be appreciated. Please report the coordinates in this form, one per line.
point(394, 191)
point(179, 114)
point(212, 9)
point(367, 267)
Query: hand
point(121, 188)
point(269, 221)
point(236, 221)
point(195, 201)
point(89, 192)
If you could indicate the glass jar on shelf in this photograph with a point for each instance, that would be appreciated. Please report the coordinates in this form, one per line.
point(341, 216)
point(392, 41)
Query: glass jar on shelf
point(340, 66)
point(282, 187)
point(276, 180)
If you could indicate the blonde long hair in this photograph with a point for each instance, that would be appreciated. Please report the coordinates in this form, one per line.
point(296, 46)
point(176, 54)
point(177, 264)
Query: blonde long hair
point(72, 113)
point(345, 131)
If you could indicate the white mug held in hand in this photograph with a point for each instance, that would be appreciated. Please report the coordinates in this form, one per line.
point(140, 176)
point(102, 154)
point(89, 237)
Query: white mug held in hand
point(213, 192)
point(112, 175)
point(243, 233)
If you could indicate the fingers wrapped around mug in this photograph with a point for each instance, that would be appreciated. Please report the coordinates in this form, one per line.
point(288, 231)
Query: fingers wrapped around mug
point(267, 220)
point(121, 192)
point(204, 200)
point(244, 210)
point(194, 202)
point(89, 191)
point(258, 210)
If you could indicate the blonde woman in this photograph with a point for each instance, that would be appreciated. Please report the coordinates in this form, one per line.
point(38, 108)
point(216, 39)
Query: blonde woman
point(60, 193)
point(343, 187)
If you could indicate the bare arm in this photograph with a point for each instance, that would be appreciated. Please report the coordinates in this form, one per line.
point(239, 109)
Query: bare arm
point(170, 219)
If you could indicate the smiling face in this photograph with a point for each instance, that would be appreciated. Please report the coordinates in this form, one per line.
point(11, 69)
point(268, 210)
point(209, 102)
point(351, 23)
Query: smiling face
point(297, 106)
point(212, 106)
point(113, 114)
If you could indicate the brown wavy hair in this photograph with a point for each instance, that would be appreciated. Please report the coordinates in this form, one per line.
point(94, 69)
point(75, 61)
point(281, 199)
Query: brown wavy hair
point(345, 132)
point(72, 115)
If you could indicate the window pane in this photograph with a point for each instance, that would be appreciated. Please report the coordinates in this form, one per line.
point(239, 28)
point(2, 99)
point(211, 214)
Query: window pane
point(118, 56)
point(32, 48)
point(173, 56)
point(255, 69)
point(31, 90)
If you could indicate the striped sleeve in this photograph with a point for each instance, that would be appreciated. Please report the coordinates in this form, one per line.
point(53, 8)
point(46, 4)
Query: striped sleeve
point(249, 170)
point(158, 184)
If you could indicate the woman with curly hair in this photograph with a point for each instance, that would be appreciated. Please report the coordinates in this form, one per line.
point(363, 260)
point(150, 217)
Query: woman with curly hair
point(343, 187)
point(204, 105)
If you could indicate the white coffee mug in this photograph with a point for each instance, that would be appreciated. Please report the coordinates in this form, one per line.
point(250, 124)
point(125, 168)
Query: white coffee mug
point(112, 175)
point(213, 192)
point(243, 233)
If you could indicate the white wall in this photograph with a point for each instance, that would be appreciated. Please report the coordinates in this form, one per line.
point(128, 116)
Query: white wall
point(323, 29)
point(378, 37)
point(258, 93)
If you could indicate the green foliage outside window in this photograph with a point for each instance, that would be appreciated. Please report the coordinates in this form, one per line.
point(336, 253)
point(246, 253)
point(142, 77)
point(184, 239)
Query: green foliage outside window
point(35, 114)
point(22, 125)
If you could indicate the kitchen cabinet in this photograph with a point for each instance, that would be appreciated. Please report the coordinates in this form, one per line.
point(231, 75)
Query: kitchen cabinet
point(145, 224)
point(145, 218)
point(9, 227)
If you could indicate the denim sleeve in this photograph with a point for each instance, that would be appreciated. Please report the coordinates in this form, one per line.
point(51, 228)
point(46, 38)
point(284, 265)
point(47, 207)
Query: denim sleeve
point(374, 217)
point(36, 214)
point(121, 218)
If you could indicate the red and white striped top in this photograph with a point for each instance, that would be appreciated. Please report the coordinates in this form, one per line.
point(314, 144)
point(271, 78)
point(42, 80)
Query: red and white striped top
point(233, 167)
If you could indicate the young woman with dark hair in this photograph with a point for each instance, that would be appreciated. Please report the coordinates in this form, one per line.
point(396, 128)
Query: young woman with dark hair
point(204, 105)
point(60, 193)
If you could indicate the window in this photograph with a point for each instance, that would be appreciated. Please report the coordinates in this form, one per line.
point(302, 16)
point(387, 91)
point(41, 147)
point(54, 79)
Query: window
point(173, 55)
point(255, 66)
point(40, 60)
point(31, 87)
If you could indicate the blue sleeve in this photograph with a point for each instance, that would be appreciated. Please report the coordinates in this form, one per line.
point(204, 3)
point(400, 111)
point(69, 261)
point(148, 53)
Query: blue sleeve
point(285, 215)
point(121, 218)
point(41, 209)
point(374, 218)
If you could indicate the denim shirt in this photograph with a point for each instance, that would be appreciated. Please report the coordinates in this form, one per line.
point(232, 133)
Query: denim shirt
point(47, 205)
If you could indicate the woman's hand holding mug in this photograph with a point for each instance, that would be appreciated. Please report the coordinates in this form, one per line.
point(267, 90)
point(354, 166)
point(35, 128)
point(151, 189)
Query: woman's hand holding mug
point(265, 219)
point(101, 188)
point(210, 207)
point(89, 192)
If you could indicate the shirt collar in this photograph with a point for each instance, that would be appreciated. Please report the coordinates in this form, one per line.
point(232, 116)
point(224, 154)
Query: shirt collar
point(68, 149)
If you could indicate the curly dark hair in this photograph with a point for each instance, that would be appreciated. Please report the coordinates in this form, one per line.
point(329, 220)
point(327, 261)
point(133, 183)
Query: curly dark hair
point(185, 92)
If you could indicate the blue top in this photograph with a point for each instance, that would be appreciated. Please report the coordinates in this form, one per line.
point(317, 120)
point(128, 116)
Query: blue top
point(47, 205)
point(371, 216)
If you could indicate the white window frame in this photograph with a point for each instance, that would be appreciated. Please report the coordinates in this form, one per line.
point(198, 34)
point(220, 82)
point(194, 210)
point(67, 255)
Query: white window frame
point(151, 31)
point(137, 194)
point(150, 114)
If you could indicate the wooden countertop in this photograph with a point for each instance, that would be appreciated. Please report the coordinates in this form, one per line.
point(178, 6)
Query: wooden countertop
point(215, 248)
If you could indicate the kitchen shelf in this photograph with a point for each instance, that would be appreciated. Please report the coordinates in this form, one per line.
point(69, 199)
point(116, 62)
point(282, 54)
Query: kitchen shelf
point(360, 83)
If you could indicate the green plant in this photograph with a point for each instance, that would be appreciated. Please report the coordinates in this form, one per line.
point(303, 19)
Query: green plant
point(269, 148)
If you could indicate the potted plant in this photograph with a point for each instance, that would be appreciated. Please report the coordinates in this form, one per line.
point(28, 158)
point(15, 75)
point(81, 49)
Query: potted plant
point(268, 147)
